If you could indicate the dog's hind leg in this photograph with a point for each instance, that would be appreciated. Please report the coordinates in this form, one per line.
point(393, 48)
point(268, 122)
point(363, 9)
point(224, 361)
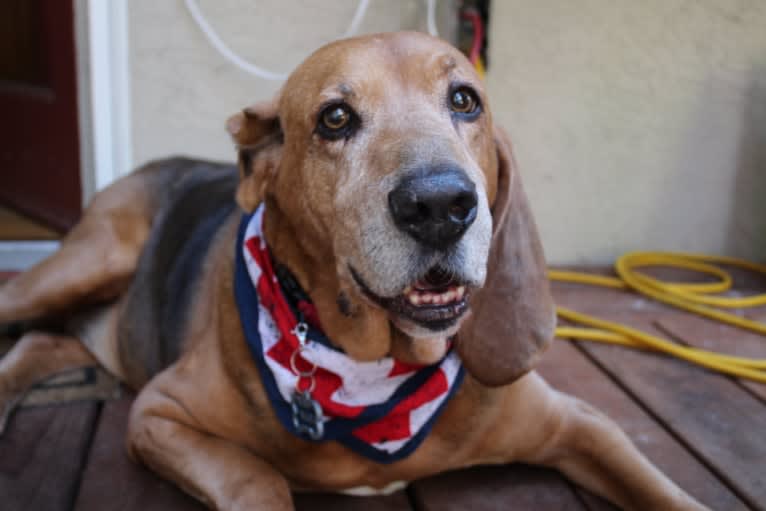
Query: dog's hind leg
point(35, 357)
point(96, 259)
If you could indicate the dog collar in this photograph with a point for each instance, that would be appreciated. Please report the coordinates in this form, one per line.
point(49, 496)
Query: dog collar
point(382, 409)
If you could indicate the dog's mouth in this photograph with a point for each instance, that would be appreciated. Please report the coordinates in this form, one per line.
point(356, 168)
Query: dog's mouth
point(435, 301)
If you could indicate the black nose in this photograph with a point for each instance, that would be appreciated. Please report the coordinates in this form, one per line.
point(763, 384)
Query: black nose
point(434, 205)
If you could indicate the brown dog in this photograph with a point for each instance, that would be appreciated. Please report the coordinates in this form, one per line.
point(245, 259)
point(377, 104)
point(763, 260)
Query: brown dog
point(395, 204)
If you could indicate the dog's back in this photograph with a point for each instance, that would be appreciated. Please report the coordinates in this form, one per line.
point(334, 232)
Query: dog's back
point(193, 199)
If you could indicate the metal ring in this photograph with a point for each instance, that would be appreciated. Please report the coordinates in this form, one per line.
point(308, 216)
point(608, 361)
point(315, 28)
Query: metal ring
point(310, 389)
point(294, 367)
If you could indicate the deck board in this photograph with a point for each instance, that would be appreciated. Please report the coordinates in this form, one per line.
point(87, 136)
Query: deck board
point(720, 422)
point(110, 477)
point(41, 456)
point(566, 368)
point(313, 501)
point(708, 335)
point(495, 488)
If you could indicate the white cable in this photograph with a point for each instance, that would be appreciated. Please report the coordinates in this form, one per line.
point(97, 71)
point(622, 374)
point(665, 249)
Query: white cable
point(361, 9)
point(431, 5)
point(249, 67)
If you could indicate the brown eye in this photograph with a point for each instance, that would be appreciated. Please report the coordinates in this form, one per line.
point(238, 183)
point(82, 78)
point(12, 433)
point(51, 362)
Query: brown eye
point(464, 101)
point(336, 117)
point(337, 121)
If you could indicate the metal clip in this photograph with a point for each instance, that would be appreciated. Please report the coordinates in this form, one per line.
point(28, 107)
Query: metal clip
point(300, 331)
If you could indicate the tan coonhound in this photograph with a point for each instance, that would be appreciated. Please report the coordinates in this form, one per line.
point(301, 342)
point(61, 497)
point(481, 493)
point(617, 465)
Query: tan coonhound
point(375, 225)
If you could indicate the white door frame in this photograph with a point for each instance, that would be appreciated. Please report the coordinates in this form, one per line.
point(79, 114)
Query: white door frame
point(104, 92)
point(103, 96)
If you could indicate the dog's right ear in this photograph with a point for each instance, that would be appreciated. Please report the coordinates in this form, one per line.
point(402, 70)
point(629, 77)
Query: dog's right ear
point(258, 136)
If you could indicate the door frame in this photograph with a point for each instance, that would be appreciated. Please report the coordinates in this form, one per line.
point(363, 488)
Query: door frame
point(103, 83)
point(103, 97)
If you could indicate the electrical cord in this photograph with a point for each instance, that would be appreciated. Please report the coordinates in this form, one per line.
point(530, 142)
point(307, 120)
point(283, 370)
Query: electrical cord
point(227, 53)
point(249, 67)
point(693, 297)
point(474, 54)
point(431, 17)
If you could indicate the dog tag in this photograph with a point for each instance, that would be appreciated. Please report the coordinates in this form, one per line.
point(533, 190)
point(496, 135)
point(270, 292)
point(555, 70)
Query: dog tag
point(307, 415)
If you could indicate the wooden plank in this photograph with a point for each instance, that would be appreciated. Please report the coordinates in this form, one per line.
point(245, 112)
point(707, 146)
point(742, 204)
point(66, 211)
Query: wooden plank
point(495, 488)
point(599, 300)
point(720, 422)
point(311, 501)
point(41, 456)
point(713, 336)
point(568, 370)
point(112, 481)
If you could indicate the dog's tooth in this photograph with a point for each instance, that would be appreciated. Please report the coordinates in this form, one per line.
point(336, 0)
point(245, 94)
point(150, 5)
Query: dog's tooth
point(438, 299)
point(460, 292)
point(427, 298)
point(449, 296)
point(414, 299)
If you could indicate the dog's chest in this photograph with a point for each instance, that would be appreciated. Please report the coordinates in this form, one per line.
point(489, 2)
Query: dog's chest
point(329, 466)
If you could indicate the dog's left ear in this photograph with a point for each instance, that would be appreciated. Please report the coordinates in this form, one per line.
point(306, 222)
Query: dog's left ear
point(513, 316)
point(257, 133)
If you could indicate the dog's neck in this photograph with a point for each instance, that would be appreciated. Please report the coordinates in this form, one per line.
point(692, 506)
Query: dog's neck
point(340, 307)
point(349, 321)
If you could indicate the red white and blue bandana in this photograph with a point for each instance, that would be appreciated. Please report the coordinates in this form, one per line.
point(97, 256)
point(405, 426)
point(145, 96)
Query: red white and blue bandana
point(382, 409)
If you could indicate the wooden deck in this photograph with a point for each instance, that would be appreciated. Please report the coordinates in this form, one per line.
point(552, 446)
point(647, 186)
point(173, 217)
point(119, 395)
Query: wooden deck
point(706, 431)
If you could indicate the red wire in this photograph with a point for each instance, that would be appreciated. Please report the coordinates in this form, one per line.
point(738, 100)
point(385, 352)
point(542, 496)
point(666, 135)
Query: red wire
point(474, 17)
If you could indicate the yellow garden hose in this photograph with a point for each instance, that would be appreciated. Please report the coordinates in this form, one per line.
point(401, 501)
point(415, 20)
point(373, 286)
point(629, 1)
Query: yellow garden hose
point(693, 297)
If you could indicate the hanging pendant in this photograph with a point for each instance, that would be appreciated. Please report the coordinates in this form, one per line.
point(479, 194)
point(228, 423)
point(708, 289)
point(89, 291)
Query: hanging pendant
point(307, 415)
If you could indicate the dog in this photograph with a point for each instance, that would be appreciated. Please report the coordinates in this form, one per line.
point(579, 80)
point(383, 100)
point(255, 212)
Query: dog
point(358, 303)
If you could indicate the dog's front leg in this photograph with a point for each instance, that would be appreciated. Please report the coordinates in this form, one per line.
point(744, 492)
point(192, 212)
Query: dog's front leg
point(591, 450)
point(222, 475)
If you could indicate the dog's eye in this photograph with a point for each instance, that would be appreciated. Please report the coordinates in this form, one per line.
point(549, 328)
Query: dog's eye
point(463, 101)
point(336, 118)
point(336, 121)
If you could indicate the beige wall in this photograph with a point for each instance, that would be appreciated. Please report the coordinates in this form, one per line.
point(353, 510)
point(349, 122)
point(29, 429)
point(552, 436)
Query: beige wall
point(637, 125)
point(183, 90)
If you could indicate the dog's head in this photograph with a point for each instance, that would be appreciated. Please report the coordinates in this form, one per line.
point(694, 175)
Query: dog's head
point(395, 201)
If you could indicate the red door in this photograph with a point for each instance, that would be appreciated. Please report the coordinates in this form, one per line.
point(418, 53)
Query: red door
point(39, 147)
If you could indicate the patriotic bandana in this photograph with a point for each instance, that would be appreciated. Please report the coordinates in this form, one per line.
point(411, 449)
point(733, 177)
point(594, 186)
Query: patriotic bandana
point(382, 409)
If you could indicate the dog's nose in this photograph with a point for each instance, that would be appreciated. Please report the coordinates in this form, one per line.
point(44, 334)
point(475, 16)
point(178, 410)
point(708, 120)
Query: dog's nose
point(435, 206)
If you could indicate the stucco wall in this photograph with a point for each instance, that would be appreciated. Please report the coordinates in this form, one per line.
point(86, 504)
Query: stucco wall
point(183, 90)
point(636, 124)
